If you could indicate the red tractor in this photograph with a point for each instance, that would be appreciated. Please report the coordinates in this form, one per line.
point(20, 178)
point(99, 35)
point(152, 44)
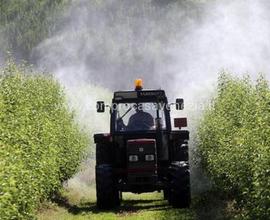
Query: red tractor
point(142, 153)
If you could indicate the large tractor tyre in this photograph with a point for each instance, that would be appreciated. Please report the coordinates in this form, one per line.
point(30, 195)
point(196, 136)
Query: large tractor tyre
point(165, 194)
point(179, 185)
point(182, 152)
point(107, 193)
point(103, 154)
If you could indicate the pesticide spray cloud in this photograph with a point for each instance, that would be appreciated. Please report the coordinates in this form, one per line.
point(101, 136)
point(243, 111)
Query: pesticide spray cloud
point(179, 46)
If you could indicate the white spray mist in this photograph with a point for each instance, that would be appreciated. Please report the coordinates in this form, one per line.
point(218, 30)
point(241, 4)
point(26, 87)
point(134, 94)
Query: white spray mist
point(179, 46)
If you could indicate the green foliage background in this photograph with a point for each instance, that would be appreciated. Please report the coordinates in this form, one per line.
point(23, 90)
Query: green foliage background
point(40, 144)
point(234, 141)
point(25, 23)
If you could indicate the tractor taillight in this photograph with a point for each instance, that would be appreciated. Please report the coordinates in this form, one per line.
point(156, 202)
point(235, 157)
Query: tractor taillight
point(149, 157)
point(133, 158)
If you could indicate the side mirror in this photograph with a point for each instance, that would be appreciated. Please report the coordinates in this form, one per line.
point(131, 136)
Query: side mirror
point(100, 106)
point(179, 104)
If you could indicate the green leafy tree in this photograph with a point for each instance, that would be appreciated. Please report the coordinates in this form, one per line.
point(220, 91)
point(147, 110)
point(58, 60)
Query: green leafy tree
point(40, 144)
point(234, 143)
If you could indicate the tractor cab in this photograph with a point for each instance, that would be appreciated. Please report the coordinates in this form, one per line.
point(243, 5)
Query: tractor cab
point(141, 111)
point(147, 111)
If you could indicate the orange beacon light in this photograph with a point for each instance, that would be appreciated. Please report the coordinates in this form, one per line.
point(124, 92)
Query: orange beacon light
point(138, 84)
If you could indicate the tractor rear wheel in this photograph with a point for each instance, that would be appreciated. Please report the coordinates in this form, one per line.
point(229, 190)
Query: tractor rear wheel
point(108, 196)
point(165, 194)
point(182, 152)
point(179, 185)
